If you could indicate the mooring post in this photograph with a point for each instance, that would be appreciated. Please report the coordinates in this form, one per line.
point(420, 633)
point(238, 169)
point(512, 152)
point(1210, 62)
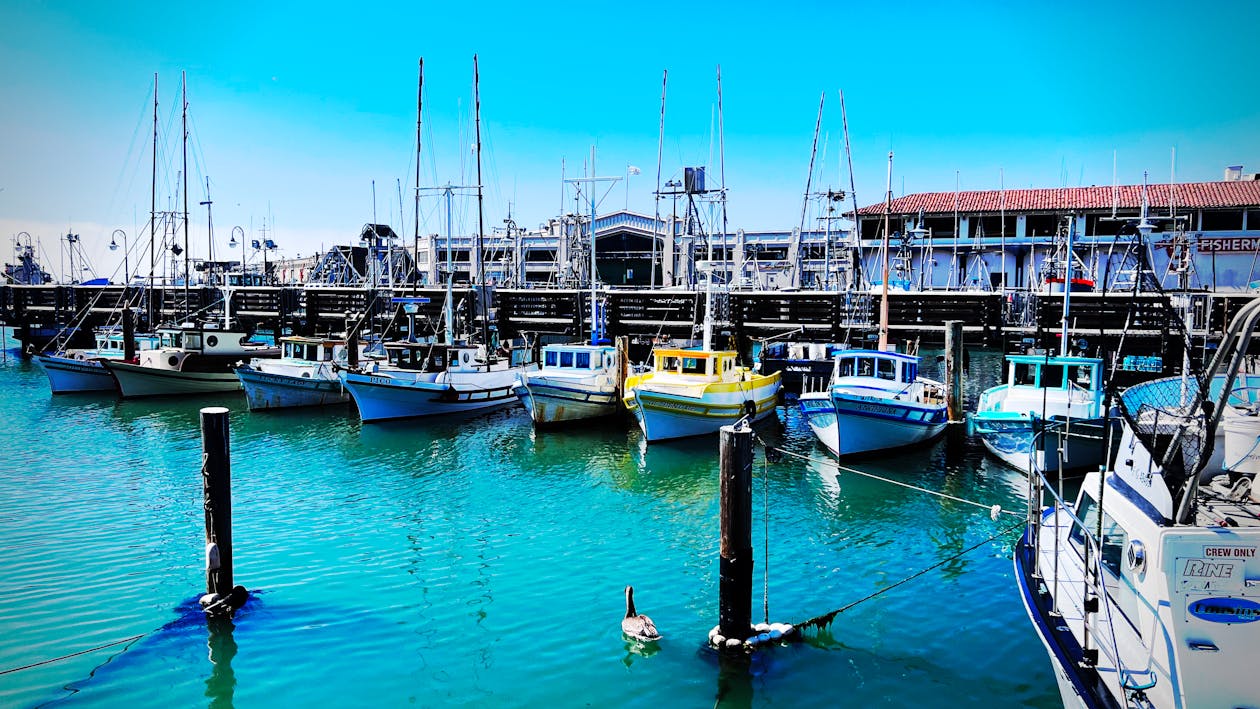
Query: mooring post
point(129, 335)
point(953, 370)
point(352, 342)
point(735, 462)
point(623, 364)
point(216, 478)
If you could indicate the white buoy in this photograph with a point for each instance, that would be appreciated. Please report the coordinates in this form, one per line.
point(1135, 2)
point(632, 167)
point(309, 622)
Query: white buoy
point(732, 643)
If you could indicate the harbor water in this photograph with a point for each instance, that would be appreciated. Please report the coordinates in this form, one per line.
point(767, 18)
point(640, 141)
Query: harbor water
point(476, 562)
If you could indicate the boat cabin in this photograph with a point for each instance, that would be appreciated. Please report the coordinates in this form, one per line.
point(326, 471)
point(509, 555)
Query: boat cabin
point(890, 366)
point(1041, 372)
point(578, 357)
point(696, 364)
point(312, 349)
point(110, 342)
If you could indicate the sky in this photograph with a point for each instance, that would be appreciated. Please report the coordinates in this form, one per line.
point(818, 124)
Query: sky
point(303, 116)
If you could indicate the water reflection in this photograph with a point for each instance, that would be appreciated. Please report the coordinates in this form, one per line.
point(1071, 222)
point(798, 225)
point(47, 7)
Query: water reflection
point(221, 684)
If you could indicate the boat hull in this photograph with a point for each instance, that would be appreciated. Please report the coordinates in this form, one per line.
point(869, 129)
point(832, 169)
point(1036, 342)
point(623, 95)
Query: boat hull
point(553, 403)
point(265, 390)
point(68, 376)
point(135, 381)
point(381, 398)
point(848, 426)
point(1012, 440)
point(664, 416)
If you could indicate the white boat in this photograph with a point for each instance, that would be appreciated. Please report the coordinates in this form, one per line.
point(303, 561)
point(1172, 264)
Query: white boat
point(696, 392)
point(876, 401)
point(1146, 591)
point(574, 382)
point(74, 371)
point(304, 375)
point(428, 379)
point(1057, 399)
point(194, 358)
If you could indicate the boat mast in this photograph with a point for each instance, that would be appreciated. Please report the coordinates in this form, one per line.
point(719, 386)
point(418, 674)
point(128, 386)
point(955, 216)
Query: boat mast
point(809, 179)
point(883, 300)
point(594, 272)
point(153, 207)
point(481, 272)
point(415, 261)
point(660, 145)
point(183, 77)
point(722, 176)
point(857, 256)
point(1068, 267)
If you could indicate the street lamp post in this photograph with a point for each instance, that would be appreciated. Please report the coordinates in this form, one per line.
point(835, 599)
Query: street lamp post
point(113, 246)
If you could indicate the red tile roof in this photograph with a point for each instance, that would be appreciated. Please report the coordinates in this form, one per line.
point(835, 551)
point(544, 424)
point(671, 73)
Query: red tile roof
point(1192, 195)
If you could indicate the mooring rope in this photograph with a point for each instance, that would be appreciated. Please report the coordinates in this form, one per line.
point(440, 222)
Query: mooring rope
point(131, 639)
point(826, 618)
point(993, 509)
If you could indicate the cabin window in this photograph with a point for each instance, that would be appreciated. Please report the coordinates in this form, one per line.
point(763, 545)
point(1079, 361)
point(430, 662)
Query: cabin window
point(566, 359)
point(693, 365)
point(193, 342)
point(865, 367)
point(1024, 375)
point(1052, 376)
point(669, 364)
point(553, 358)
point(288, 350)
point(1083, 376)
point(1114, 541)
point(908, 372)
point(847, 367)
point(886, 369)
point(583, 360)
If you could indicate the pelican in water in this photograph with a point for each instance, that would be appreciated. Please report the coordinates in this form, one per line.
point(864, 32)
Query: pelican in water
point(638, 627)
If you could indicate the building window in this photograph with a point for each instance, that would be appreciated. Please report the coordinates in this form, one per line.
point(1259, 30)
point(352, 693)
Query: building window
point(1222, 220)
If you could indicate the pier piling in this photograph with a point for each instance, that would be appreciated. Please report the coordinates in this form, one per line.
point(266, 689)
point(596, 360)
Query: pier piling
point(953, 370)
point(735, 551)
point(216, 478)
point(129, 335)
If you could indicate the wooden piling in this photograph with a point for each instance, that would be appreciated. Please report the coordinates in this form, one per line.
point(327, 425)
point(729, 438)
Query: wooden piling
point(129, 335)
point(735, 551)
point(352, 342)
point(623, 364)
point(953, 370)
point(216, 478)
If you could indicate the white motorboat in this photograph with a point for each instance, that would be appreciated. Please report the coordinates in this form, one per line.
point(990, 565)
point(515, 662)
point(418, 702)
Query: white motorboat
point(304, 375)
point(73, 371)
point(575, 382)
point(193, 358)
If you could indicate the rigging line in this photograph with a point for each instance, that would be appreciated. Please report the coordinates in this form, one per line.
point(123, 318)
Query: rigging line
point(141, 122)
point(846, 469)
point(826, 618)
point(131, 639)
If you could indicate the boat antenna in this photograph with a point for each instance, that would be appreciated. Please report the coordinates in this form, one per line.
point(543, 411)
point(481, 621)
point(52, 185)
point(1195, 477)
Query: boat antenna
point(857, 269)
point(415, 260)
point(809, 182)
point(883, 300)
point(481, 278)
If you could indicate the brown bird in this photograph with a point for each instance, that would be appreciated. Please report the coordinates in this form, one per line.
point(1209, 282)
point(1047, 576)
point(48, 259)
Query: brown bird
point(639, 627)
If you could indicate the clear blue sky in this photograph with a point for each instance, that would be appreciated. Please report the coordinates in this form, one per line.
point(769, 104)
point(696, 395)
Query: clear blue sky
point(296, 109)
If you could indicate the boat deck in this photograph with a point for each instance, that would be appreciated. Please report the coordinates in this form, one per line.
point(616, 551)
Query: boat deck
point(1218, 506)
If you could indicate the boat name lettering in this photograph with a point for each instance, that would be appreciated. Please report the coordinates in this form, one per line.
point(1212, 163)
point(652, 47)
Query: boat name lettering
point(1225, 610)
point(1230, 552)
point(1214, 574)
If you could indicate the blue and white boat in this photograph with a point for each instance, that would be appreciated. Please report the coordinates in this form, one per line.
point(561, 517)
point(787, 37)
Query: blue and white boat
point(429, 379)
point(1146, 590)
point(876, 400)
point(304, 375)
point(1060, 398)
point(575, 382)
point(73, 371)
point(802, 366)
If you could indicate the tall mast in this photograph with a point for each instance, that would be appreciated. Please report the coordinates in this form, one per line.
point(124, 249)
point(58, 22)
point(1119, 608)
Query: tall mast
point(481, 269)
point(722, 176)
point(183, 77)
point(415, 263)
point(153, 206)
point(883, 300)
point(857, 256)
point(660, 145)
point(594, 272)
point(1067, 288)
point(809, 181)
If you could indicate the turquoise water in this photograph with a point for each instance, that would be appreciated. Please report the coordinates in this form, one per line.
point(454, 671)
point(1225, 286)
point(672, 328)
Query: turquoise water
point(477, 563)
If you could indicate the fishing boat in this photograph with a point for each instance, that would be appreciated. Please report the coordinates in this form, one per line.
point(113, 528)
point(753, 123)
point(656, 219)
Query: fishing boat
point(304, 375)
point(1146, 591)
point(192, 358)
point(1061, 397)
point(82, 370)
point(876, 400)
point(697, 391)
point(803, 366)
point(429, 378)
point(574, 382)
